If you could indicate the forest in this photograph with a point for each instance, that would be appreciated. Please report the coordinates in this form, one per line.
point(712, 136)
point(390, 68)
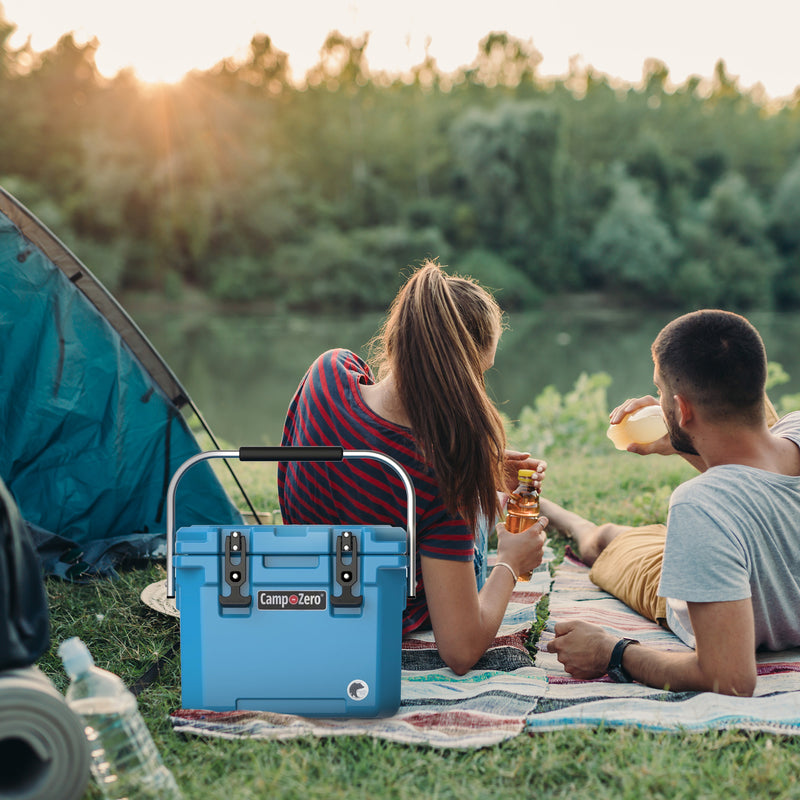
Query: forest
point(248, 184)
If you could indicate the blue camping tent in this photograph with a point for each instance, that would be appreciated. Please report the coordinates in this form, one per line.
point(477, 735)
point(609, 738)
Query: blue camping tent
point(92, 418)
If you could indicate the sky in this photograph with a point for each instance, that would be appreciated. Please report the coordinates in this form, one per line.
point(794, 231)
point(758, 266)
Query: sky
point(163, 39)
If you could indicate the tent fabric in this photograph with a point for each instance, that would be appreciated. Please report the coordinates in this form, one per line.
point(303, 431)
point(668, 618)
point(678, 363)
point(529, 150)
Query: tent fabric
point(91, 436)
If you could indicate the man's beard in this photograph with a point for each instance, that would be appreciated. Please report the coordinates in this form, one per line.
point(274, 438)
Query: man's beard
point(677, 437)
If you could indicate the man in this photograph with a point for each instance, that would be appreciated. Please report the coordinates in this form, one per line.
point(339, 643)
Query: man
point(724, 574)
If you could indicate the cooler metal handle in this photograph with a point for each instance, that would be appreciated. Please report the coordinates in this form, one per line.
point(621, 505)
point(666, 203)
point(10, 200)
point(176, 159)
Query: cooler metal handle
point(296, 454)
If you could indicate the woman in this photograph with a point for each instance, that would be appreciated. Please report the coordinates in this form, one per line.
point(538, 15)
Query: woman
point(430, 411)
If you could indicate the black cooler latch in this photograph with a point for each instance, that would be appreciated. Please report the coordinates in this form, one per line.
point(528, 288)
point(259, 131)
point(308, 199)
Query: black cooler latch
point(346, 571)
point(234, 571)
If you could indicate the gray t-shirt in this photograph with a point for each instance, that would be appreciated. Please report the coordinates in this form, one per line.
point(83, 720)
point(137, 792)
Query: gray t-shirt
point(733, 532)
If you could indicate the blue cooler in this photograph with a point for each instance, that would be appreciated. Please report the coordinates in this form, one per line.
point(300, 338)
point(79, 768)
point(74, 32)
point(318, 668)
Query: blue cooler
point(295, 619)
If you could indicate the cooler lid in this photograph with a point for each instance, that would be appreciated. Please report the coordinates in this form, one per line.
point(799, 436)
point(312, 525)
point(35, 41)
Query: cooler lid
point(290, 539)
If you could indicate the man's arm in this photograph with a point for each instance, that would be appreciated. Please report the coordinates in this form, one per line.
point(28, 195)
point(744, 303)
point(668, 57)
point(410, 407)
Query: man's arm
point(723, 662)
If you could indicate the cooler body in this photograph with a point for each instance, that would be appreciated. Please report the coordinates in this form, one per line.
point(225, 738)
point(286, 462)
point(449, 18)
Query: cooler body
point(294, 619)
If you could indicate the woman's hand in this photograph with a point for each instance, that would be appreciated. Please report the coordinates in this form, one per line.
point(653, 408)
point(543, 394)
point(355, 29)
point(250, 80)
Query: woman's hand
point(522, 551)
point(515, 461)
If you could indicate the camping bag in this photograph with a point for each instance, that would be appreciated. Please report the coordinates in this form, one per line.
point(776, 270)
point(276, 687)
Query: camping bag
point(24, 617)
point(295, 619)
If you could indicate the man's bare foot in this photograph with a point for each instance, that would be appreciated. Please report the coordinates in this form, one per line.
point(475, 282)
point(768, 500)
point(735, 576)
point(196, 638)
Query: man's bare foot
point(568, 522)
point(590, 539)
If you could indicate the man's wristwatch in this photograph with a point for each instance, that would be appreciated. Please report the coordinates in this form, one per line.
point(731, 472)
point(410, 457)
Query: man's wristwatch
point(615, 670)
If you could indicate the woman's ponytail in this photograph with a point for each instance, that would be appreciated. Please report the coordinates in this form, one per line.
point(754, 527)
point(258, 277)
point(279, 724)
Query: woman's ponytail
point(436, 340)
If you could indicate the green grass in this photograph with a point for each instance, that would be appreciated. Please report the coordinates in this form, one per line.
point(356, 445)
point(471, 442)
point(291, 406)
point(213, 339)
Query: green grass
point(127, 637)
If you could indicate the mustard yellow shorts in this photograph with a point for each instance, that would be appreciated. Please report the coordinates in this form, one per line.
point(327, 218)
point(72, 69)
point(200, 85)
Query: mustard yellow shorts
point(630, 569)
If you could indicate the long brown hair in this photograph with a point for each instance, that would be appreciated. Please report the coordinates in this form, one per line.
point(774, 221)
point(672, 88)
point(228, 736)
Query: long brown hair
point(435, 341)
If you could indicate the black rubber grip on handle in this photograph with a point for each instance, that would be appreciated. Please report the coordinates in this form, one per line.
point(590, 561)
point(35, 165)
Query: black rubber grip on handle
point(291, 454)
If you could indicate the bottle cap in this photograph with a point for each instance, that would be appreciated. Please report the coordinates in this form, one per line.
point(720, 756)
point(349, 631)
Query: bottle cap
point(525, 473)
point(76, 656)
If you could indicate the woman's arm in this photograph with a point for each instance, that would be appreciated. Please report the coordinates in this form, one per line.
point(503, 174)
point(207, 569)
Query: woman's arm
point(465, 622)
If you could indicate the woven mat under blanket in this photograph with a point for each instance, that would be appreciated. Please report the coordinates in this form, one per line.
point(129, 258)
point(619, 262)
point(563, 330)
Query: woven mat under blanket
point(568, 702)
point(438, 708)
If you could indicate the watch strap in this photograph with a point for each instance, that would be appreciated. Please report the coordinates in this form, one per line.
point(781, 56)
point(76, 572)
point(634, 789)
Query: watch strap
point(615, 670)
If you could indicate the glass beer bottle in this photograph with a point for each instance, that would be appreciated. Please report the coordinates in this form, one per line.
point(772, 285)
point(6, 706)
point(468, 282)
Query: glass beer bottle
point(522, 510)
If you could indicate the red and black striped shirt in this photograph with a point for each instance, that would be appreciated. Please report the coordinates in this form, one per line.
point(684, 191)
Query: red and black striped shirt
point(327, 409)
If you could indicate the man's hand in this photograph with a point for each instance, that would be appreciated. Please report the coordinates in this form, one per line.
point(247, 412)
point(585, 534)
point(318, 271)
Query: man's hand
point(662, 446)
point(629, 406)
point(584, 649)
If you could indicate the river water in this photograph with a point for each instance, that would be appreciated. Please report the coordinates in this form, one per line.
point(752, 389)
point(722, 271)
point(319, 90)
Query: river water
point(241, 369)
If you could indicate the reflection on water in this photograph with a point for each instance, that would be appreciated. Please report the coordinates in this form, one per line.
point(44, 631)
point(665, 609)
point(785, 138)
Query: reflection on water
point(242, 369)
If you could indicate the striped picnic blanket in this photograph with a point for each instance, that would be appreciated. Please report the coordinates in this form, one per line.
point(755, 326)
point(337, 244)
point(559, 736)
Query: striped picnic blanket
point(573, 703)
point(438, 708)
point(506, 694)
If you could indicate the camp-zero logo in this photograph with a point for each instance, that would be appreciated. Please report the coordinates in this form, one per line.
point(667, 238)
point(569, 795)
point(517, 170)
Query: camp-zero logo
point(293, 601)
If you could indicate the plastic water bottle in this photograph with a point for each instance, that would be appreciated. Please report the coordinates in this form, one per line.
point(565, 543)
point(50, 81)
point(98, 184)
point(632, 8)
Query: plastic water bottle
point(125, 762)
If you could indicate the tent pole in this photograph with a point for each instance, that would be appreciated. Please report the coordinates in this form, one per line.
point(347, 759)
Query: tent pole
point(213, 438)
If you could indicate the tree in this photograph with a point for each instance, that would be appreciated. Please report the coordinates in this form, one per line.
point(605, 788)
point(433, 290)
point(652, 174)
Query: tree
point(785, 224)
point(504, 61)
point(785, 209)
point(510, 159)
point(631, 248)
point(342, 63)
point(59, 97)
point(8, 56)
point(359, 270)
point(235, 176)
point(652, 162)
point(265, 69)
point(728, 243)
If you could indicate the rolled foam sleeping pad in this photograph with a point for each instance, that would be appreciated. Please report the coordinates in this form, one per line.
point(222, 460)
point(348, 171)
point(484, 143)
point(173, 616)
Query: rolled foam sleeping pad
point(44, 753)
